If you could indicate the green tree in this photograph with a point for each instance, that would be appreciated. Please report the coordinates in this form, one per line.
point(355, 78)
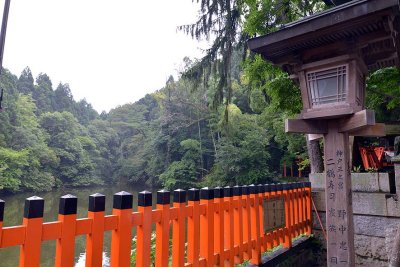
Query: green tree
point(183, 173)
point(65, 139)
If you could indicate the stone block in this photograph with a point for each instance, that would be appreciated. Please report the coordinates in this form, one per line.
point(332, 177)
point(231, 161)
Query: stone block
point(369, 203)
point(371, 247)
point(363, 203)
point(374, 225)
point(364, 224)
point(383, 179)
point(393, 205)
point(369, 262)
point(317, 180)
point(390, 235)
point(319, 199)
point(361, 182)
point(316, 222)
point(397, 177)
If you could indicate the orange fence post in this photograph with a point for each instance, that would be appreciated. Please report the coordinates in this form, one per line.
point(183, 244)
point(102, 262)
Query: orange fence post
point(2, 204)
point(300, 199)
point(268, 234)
point(178, 229)
point(65, 246)
point(207, 226)
point(193, 252)
point(261, 191)
point(304, 208)
point(238, 223)
point(304, 202)
point(296, 208)
point(122, 236)
point(144, 230)
point(281, 230)
point(246, 223)
point(219, 224)
point(255, 226)
point(94, 240)
point(162, 229)
point(288, 235)
point(275, 233)
point(291, 207)
point(33, 221)
point(309, 211)
point(228, 229)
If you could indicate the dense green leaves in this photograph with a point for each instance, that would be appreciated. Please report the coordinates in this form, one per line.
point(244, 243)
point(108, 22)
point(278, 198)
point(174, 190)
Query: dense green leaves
point(383, 94)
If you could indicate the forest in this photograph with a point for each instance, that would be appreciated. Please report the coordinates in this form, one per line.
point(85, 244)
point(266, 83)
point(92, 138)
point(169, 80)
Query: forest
point(220, 123)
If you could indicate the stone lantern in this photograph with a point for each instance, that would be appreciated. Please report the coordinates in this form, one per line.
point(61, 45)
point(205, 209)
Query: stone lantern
point(329, 54)
point(330, 88)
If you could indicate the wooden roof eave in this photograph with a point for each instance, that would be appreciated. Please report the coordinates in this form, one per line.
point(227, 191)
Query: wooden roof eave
point(307, 32)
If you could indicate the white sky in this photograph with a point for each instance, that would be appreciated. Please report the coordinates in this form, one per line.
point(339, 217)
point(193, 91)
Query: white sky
point(110, 52)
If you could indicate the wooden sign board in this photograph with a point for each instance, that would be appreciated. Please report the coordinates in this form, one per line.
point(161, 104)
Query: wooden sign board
point(274, 214)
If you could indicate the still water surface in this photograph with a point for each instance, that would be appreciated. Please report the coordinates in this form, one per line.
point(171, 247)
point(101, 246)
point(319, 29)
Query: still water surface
point(14, 213)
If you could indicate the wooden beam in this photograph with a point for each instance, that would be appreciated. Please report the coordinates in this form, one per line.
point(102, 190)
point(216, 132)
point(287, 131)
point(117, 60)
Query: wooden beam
point(370, 131)
point(305, 126)
point(357, 121)
point(392, 129)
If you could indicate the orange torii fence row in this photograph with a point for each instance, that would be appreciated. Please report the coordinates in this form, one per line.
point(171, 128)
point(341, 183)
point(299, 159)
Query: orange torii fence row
point(220, 226)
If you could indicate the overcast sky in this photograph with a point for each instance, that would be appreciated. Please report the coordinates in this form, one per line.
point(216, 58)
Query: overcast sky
point(110, 52)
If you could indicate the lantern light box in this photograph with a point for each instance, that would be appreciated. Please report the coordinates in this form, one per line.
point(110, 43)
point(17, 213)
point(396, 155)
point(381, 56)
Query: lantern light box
point(332, 86)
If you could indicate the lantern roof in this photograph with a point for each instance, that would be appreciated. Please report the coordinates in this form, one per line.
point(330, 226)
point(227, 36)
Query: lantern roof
point(369, 29)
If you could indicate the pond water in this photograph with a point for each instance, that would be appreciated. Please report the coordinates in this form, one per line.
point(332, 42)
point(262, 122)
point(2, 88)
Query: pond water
point(13, 215)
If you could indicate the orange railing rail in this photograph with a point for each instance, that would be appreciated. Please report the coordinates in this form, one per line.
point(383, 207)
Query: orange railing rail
point(220, 226)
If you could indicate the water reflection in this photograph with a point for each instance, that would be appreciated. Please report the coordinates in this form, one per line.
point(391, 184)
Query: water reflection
point(82, 256)
point(14, 213)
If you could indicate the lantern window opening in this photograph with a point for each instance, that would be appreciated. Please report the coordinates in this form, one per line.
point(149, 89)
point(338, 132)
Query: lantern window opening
point(327, 85)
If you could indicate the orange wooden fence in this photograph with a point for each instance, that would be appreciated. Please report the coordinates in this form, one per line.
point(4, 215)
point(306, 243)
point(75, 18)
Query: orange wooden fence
point(220, 226)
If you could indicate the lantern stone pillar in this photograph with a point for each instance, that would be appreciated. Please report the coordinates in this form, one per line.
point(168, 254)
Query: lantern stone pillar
point(339, 215)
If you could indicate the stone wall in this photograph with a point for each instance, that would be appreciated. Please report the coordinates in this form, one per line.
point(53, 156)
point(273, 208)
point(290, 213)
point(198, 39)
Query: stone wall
point(376, 214)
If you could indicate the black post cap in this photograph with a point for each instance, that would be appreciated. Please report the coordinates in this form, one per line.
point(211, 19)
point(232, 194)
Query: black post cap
point(307, 184)
point(295, 185)
point(145, 199)
point(253, 189)
point(267, 188)
point(122, 200)
point(97, 202)
point(273, 187)
point(68, 205)
point(2, 203)
point(237, 190)
point(193, 194)
point(228, 191)
point(163, 197)
point(34, 207)
point(245, 190)
point(261, 188)
point(206, 193)
point(218, 192)
point(285, 186)
point(279, 187)
point(179, 196)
